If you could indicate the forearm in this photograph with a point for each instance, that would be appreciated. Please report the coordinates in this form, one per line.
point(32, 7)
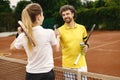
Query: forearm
point(12, 47)
point(57, 34)
point(58, 43)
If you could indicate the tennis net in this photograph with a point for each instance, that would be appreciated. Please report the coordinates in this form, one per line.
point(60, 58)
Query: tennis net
point(14, 69)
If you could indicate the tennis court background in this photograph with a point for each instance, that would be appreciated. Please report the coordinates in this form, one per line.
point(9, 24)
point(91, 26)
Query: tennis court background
point(102, 57)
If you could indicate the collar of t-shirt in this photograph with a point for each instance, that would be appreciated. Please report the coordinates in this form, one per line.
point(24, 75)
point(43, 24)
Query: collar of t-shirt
point(36, 27)
point(67, 27)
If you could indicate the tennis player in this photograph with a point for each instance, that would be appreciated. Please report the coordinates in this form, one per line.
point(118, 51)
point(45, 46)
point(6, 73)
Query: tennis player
point(71, 34)
point(40, 57)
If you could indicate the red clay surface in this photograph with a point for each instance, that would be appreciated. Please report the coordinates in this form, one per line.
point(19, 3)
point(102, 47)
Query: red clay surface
point(102, 57)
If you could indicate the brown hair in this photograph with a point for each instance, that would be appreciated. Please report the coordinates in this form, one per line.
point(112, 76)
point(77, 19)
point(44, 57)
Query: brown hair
point(29, 14)
point(68, 7)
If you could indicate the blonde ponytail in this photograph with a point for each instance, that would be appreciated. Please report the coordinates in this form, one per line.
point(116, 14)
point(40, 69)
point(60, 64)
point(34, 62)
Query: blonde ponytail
point(29, 14)
point(28, 24)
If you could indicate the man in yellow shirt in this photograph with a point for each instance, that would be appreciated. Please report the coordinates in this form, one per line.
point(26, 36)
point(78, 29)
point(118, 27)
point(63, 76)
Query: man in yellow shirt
point(71, 34)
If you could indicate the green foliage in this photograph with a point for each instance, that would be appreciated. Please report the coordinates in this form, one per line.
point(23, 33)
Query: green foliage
point(112, 2)
point(110, 17)
point(18, 10)
point(49, 7)
point(76, 3)
point(6, 16)
point(7, 22)
point(4, 6)
point(105, 17)
point(99, 3)
point(49, 23)
point(99, 13)
point(20, 6)
point(87, 17)
point(89, 4)
point(104, 13)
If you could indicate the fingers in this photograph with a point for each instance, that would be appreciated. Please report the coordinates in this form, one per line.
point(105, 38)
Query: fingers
point(85, 48)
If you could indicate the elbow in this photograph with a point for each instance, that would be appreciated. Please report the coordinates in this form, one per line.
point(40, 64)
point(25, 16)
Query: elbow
point(12, 49)
point(55, 48)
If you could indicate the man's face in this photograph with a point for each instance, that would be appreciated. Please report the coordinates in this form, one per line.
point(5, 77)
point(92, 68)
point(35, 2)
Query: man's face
point(67, 16)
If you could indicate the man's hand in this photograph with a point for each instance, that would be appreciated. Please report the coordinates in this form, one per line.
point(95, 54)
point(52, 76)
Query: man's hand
point(85, 49)
point(57, 34)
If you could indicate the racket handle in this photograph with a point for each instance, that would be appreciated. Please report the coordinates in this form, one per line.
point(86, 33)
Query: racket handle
point(27, 34)
point(77, 59)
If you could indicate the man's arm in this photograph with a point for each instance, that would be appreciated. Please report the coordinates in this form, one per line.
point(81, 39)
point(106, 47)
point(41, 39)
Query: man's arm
point(57, 34)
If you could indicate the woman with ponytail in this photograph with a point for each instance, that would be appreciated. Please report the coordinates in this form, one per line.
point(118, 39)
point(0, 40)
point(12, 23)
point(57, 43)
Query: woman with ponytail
point(40, 57)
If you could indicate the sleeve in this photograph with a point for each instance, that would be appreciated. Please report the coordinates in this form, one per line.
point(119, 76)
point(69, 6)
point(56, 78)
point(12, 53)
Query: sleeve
point(17, 35)
point(53, 39)
point(18, 42)
point(84, 33)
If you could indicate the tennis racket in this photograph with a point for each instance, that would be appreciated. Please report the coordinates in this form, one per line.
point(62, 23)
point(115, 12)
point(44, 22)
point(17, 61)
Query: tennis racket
point(83, 44)
point(27, 34)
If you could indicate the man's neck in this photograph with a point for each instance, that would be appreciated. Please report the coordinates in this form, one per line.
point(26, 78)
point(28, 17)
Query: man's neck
point(71, 24)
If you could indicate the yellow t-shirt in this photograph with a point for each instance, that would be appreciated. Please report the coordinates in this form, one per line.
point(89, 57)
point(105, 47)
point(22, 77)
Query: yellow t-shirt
point(70, 39)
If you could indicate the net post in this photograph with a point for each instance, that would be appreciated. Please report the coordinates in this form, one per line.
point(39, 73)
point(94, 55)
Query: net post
point(79, 76)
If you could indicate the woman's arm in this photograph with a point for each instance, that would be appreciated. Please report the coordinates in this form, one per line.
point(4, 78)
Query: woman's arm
point(12, 47)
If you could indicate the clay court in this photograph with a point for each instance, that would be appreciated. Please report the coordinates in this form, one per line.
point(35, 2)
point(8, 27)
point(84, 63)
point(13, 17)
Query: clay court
point(102, 57)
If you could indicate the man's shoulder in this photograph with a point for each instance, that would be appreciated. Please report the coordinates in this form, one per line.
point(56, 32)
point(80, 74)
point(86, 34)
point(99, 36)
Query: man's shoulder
point(62, 25)
point(79, 25)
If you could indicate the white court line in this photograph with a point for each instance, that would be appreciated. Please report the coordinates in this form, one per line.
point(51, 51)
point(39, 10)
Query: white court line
point(108, 50)
point(104, 45)
point(95, 47)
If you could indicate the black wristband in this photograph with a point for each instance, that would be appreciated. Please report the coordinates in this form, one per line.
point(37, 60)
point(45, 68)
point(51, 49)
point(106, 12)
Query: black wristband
point(88, 45)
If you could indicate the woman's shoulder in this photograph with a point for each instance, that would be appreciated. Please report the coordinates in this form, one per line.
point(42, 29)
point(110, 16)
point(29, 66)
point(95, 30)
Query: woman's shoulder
point(21, 35)
point(49, 30)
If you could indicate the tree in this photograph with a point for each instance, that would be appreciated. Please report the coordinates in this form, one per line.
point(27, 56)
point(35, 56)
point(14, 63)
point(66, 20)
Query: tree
point(112, 2)
point(5, 6)
point(51, 11)
point(88, 4)
point(6, 16)
point(50, 7)
point(18, 10)
point(76, 3)
point(99, 3)
point(20, 6)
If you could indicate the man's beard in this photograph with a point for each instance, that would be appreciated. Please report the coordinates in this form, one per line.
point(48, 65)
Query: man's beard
point(68, 20)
